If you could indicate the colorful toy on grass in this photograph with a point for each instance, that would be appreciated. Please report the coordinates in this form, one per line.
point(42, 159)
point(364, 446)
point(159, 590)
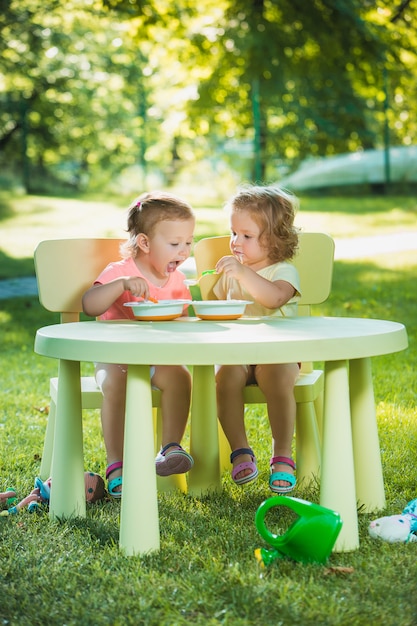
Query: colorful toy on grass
point(9, 496)
point(38, 495)
point(41, 493)
point(396, 528)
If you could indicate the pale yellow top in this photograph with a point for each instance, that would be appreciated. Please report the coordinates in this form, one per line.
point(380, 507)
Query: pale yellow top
point(229, 288)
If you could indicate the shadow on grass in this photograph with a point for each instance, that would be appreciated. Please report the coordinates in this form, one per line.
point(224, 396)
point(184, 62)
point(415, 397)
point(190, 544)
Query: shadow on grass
point(202, 518)
point(12, 267)
point(365, 289)
point(15, 268)
point(6, 208)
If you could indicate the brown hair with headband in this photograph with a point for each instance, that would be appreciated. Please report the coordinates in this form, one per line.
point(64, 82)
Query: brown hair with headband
point(149, 209)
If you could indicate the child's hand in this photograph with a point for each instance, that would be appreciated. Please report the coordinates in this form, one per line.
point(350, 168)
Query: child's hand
point(230, 266)
point(137, 286)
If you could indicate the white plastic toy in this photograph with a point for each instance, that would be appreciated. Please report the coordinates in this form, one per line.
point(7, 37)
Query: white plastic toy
point(396, 528)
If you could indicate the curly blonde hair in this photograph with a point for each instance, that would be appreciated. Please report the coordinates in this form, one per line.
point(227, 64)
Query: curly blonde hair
point(146, 211)
point(273, 209)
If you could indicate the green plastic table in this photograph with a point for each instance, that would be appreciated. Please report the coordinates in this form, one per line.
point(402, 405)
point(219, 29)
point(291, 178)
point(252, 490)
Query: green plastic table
point(351, 469)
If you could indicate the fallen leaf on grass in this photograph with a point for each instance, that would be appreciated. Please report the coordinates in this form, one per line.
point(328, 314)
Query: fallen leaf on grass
point(42, 409)
point(338, 570)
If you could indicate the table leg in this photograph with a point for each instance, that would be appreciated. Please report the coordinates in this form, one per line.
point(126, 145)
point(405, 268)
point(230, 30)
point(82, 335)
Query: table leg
point(139, 520)
point(67, 473)
point(204, 440)
point(337, 472)
point(367, 456)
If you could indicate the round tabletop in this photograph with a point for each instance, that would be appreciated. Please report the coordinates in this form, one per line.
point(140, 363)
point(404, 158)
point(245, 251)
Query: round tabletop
point(193, 341)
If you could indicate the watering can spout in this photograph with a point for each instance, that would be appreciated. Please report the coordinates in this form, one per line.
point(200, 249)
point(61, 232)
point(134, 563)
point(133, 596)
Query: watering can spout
point(266, 556)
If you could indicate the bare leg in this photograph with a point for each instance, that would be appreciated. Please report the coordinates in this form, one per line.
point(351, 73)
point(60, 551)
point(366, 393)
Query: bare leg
point(174, 381)
point(277, 384)
point(175, 385)
point(230, 382)
point(111, 378)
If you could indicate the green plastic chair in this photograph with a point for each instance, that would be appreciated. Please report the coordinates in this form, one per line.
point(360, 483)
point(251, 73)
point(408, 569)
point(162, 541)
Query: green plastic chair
point(65, 269)
point(314, 262)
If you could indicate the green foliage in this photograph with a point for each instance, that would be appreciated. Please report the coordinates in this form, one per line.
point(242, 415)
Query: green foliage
point(305, 92)
point(88, 90)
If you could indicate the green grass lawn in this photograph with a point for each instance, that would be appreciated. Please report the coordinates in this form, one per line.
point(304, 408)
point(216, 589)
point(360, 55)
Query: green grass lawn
point(72, 572)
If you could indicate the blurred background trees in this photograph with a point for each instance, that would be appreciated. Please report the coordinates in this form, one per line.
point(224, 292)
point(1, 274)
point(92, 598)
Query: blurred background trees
point(94, 93)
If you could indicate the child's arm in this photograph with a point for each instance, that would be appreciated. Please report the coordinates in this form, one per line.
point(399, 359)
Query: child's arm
point(99, 298)
point(271, 295)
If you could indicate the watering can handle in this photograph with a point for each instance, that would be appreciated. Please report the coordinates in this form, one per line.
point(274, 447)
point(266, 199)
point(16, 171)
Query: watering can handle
point(296, 504)
point(261, 514)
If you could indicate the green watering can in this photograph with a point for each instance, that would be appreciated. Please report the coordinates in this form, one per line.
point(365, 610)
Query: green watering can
point(309, 539)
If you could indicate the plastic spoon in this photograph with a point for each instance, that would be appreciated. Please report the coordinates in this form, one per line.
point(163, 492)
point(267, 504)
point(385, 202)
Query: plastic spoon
point(239, 257)
point(190, 282)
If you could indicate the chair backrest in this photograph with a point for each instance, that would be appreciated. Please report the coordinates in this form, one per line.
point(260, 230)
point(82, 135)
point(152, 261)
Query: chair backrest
point(314, 262)
point(66, 268)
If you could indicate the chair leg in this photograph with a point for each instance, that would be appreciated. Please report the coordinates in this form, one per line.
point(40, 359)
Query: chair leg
point(308, 448)
point(318, 407)
point(224, 451)
point(204, 437)
point(48, 445)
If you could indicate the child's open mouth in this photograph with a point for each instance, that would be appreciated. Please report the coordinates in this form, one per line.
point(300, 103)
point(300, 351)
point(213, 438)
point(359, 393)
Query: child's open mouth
point(171, 267)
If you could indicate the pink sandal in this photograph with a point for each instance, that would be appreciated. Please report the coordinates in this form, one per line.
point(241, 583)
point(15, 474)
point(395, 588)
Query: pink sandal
point(251, 465)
